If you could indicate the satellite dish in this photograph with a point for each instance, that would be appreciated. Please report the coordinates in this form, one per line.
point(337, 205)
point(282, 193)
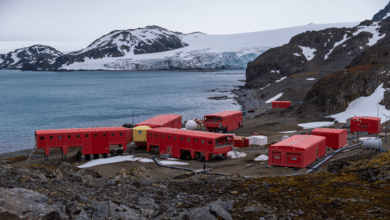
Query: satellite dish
point(191, 125)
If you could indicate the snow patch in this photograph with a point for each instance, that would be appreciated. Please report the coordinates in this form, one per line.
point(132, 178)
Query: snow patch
point(118, 159)
point(262, 157)
point(275, 71)
point(281, 79)
point(287, 132)
point(308, 52)
point(239, 154)
point(373, 30)
point(274, 98)
point(265, 86)
point(295, 54)
point(310, 78)
point(335, 45)
point(315, 124)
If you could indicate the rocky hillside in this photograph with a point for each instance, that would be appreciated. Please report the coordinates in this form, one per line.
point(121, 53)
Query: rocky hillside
point(382, 14)
point(354, 188)
point(310, 62)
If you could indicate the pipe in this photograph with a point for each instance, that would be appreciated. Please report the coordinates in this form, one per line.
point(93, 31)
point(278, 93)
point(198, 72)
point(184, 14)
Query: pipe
point(154, 158)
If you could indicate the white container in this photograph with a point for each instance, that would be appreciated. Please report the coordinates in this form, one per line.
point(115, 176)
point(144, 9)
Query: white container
point(258, 140)
point(372, 144)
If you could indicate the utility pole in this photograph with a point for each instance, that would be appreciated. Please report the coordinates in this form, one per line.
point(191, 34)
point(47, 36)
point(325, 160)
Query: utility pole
point(386, 128)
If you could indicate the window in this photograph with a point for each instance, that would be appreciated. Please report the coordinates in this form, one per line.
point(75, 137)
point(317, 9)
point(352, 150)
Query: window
point(95, 135)
point(202, 141)
point(69, 136)
point(42, 138)
point(188, 139)
point(139, 132)
point(78, 136)
point(162, 136)
point(169, 137)
point(112, 134)
point(120, 134)
point(150, 135)
point(156, 135)
point(86, 135)
point(181, 138)
point(104, 134)
point(51, 137)
point(210, 142)
point(195, 140)
point(175, 138)
point(59, 137)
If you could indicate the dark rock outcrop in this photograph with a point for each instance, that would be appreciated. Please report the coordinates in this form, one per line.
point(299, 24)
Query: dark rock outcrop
point(382, 13)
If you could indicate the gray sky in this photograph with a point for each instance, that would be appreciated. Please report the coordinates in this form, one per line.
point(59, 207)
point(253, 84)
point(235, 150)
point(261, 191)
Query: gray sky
point(87, 20)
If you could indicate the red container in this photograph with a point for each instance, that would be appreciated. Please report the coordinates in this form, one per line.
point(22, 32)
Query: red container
point(177, 141)
point(223, 121)
point(335, 138)
point(168, 120)
point(281, 104)
point(240, 142)
point(372, 125)
point(297, 151)
point(91, 140)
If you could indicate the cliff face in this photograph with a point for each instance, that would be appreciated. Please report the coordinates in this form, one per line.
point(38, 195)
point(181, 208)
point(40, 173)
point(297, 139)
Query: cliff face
point(382, 13)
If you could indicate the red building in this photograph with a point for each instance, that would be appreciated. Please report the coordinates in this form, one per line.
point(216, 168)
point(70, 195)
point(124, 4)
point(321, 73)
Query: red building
point(297, 151)
point(223, 121)
point(168, 120)
point(281, 104)
point(372, 125)
point(177, 142)
point(91, 140)
point(335, 138)
point(240, 142)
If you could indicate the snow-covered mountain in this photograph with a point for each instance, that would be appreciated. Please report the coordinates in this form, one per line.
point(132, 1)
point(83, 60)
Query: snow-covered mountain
point(156, 48)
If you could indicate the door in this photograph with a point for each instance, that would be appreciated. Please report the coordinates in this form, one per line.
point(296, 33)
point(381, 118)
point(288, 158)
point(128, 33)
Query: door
point(294, 158)
point(276, 157)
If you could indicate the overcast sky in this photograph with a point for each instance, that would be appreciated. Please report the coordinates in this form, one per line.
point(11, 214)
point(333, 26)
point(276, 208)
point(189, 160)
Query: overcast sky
point(87, 20)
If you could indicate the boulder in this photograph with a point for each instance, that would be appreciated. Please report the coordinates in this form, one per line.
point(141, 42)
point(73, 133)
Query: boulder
point(18, 203)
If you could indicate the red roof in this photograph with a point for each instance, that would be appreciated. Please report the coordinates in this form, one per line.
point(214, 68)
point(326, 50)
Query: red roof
point(191, 133)
point(329, 130)
point(159, 120)
point(367, 117)
point(299, 141)
point(79, 130)
point(223, 114)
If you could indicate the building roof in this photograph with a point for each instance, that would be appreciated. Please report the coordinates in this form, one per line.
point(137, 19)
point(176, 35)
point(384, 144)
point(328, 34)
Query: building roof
point(198, 134)
point(281, 101)
point(329, 130)
point(366, 117)
point(223, 114)
point(159, 120)
point(299, 141)
point(80, 130)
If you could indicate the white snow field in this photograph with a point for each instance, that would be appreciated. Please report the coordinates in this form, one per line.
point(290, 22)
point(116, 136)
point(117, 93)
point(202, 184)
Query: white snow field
point(318, 124)
point(118, 159)
point(204, 50)
point(287, 132)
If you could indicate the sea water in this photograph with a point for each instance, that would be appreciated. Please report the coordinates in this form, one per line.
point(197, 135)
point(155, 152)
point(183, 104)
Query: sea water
point(52, 100)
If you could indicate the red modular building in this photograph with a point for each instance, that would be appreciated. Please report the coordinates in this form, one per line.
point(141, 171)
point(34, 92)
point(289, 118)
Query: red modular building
point(223, 121)
point(335, 138)
point(240, 142)
point(169, 120)
point(372, 125)
point(91, 140)
point(281, 104)
point(178, 141)
point(297, 151)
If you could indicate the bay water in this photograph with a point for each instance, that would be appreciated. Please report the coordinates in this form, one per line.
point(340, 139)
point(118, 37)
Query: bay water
point(32, 101)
